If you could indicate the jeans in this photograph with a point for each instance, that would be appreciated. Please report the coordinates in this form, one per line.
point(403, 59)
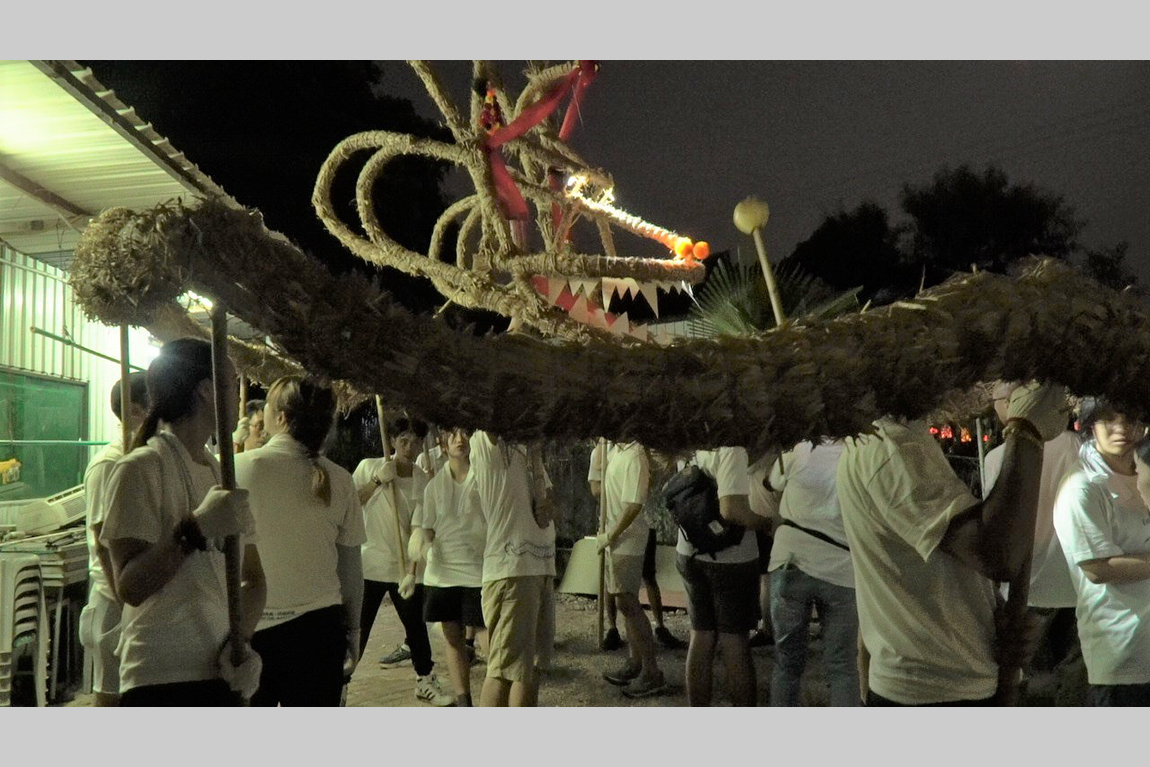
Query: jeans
point(793, 592)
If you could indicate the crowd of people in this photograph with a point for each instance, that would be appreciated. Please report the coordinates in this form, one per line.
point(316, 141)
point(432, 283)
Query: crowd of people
point(874, 536)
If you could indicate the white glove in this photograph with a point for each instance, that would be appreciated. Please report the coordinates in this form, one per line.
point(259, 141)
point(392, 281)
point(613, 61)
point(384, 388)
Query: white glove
point(240, 435)
point(223, 513)
point(1043, 405)
point(602, 542)
point(407, 587)
point(244, 678)
point(385, 473)
point(418, 545)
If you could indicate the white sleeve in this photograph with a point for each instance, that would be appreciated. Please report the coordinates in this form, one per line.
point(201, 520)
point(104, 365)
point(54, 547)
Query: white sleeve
point(731, 471)
point(361, 477)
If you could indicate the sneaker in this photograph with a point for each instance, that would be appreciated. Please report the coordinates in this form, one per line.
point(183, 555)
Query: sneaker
point(396, 657)
point(669, 640)
point(761, 638)
point(427, 688)
point(644, 687)
point(612, 640)
point(623, 674)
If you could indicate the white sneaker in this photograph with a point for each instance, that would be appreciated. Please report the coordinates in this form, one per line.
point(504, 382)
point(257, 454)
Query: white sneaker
point(427, 688)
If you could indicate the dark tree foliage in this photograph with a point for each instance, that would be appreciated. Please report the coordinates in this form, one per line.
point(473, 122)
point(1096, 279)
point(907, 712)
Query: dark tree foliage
point(1108, 266)
point(857, 248)
point(962, 219)
point(261, 130)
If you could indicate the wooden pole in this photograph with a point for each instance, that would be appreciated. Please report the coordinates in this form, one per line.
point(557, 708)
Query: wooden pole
point(1014, 622)
point(769, 276)
point(981, 456)
point(233, 555)
point(243, 405)
point(602, 529)
point(125, 389)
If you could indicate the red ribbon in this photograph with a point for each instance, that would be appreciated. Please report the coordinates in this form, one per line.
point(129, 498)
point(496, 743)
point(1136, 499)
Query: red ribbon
point(510, 198)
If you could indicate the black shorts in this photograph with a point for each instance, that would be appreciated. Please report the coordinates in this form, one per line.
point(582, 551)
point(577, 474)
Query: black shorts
point(765, 542)
point(721, 596)
point(453, 604)
point(649, 555)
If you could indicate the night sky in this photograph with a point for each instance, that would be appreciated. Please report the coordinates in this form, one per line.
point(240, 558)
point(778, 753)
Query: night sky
point(685, 141)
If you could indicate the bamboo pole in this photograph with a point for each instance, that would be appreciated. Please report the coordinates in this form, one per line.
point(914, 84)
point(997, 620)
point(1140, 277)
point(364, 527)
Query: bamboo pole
point(602, 529)
point(769, 276)
point(125, 390)
point(981, 456)
point(233, 555)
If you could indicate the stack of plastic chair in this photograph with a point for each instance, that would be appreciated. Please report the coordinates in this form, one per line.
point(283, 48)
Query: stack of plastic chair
point(23, 631)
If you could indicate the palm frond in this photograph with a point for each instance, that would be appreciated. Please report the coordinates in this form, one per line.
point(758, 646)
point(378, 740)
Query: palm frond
point(734, 300)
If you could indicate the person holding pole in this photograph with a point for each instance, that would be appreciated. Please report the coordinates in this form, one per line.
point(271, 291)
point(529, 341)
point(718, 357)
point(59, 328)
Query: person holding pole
point(1057, 673)
point(391, 491)
point(166, 521)
point(625, 485)
point(100, 619)
point(926, 553)
point(518, 566)
point(310, 528)
point(449, 532)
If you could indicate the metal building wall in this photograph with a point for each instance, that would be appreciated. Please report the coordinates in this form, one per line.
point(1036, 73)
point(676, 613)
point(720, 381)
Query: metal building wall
point(33, 294)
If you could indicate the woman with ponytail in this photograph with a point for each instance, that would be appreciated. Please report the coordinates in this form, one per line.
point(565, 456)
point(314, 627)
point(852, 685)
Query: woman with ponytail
point(165, 526)
point(310, 529)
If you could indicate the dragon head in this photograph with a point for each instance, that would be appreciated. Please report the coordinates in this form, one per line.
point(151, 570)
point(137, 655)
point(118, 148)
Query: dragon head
point(516, 156)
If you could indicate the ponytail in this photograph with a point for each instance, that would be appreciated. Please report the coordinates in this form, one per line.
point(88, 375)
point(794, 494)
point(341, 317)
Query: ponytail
point(147, 429)
point(320, 481)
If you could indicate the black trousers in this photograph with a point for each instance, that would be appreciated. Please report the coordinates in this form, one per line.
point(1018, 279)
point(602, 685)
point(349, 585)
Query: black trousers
point(1120, 695)
point(302, 660)
point(410, 612)
point(211, 692)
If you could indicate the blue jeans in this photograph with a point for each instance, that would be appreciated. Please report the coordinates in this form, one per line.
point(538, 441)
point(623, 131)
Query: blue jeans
point(793, 592)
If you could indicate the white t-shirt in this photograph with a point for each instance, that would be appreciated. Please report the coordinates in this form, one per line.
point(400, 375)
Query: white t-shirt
point(381, 557)
point(1099, 514)
point(298, 532)
point(438, 460)
point(516, 546)
point(763, 502)
point(177, 633)
point(728, 467)
point(595, 469)
point(451, 509)
point(810, 498)
point(926, 619)
point(1050, 583)
point(96, 478)
point(628, 478)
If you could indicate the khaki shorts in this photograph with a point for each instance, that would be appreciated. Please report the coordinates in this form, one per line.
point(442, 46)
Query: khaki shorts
point(99, 634)
point(624, 573)
point(515, 611)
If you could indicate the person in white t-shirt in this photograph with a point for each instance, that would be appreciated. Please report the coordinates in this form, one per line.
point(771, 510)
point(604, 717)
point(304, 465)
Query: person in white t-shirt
point(518, 566)
point(1057, 673)
point(723, 588)
point(811, 567)
point(165, 526)
point(926, 552)
point(310, 529)
point(449, 531)
point(250, 434)
point(624, 489)
point(391, 492)
point(1103, 524)
point(612, 640)
point(100, 620)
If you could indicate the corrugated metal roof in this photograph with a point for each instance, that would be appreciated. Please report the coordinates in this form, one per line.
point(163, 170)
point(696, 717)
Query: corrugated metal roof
point(70, 149)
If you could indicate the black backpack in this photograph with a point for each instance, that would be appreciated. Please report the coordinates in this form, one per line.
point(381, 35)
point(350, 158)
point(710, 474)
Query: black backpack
point(692, 498)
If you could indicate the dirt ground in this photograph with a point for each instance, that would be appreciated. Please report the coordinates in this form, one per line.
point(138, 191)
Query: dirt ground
point(574, 679)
